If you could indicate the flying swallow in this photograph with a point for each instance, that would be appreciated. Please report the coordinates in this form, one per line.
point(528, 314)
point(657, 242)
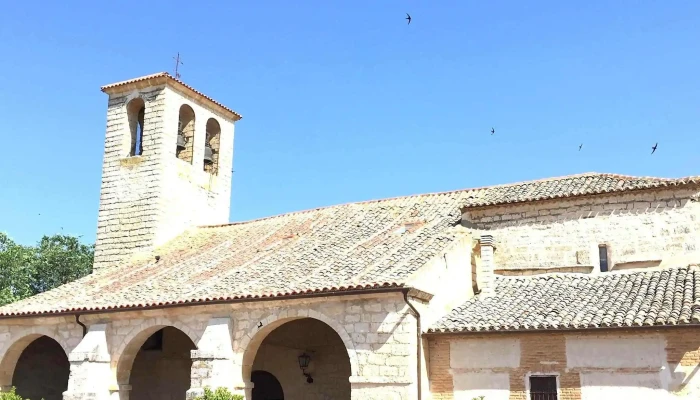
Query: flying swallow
point(653, 149)
point(408, 17)
point(493, 131)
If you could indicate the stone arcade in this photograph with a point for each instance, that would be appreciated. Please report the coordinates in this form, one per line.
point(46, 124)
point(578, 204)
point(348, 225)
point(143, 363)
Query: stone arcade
point(578, 287)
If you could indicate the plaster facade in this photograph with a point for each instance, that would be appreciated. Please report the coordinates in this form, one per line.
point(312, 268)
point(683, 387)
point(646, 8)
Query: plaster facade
point(606, 364)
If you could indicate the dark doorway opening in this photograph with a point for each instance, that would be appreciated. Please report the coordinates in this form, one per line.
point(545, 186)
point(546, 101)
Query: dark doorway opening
point(266, 386)
point(42, 370)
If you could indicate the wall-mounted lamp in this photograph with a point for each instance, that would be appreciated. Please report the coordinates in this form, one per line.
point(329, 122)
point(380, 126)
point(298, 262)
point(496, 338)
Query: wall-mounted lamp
point(304, 361)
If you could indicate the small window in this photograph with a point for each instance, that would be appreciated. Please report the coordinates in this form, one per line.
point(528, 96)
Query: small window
point(603, 255)
point(154, 342)
point(543, 388)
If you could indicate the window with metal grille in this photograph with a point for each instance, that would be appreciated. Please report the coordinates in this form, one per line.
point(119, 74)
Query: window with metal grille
point(603, 255)
point(543, 388)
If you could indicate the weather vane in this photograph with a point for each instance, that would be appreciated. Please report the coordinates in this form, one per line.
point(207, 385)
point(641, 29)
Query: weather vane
point(178, 62)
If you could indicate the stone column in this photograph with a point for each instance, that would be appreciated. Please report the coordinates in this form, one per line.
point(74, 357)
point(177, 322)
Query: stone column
point(485, 275)
point(120, 392)
point(213, 362)
point(90, 367)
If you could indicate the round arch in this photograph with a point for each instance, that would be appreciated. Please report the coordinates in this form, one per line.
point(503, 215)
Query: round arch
point(37, 365)
point(266, 386)
point(135, 113)
point(186, 132)
point(125, 354)
point(251, 341)
point(10, 355)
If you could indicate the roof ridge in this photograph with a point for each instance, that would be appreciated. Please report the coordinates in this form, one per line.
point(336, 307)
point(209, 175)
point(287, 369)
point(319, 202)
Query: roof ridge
point(463, 190)
point(585, 275)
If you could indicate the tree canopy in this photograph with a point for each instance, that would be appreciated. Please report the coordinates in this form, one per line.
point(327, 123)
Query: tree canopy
point(29, 270)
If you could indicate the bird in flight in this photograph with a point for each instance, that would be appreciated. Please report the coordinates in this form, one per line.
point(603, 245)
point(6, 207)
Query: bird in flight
point(653, 149)
point(579, 146)
point(493, 131)
point(408, 17)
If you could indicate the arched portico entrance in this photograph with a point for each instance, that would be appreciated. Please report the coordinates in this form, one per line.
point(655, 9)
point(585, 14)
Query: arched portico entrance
point(266, 386)
point(157, 365)
point(278, 354)
point(37, 366)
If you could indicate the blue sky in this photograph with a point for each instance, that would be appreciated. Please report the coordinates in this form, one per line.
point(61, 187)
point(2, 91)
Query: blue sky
point(342, 101)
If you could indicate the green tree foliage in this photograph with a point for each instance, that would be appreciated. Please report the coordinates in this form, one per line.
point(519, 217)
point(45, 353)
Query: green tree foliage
point(11, 395)
point(29, 270)
point(220, 394)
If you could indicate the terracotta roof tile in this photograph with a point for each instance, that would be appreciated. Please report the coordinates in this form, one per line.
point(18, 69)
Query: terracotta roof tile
point(664, 297)
point(591, 183)
point(167, 77)
point(379, 243)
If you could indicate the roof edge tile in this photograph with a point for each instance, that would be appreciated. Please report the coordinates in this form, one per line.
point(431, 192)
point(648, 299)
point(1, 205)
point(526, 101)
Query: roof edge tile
point(167, 78)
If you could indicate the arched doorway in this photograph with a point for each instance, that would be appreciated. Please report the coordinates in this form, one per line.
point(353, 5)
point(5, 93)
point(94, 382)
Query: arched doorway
point(266, 386)
point(161, 368)
point(278, 354)
point(42, 370)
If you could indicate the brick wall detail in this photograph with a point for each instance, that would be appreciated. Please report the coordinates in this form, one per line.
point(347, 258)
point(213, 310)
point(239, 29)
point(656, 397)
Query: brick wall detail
point(646, 363)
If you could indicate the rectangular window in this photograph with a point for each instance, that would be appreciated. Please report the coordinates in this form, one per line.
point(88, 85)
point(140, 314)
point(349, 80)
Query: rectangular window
point(543, 388)
point(603, 255)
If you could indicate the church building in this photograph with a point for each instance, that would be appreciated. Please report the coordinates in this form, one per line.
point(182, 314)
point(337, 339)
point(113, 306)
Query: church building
point(576, 287)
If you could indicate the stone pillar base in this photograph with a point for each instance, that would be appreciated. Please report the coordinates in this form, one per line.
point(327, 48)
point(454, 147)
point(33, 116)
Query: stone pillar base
point(82, 396)
point(381, 388)
point(194, 393)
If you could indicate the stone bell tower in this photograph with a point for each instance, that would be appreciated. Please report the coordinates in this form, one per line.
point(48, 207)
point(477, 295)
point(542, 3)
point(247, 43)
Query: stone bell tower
point(167, 165)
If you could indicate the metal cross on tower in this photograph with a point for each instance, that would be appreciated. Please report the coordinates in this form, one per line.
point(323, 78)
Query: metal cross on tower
point(178, 62)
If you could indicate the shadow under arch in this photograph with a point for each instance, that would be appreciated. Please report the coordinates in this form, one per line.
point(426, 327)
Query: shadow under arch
point(132, 344)
point(37, 365)
point(266, 386)
point(10, 355)
point(250, 344)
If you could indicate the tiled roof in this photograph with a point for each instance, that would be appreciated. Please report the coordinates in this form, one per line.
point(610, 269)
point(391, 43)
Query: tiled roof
point(379, 243)
point(590, 183)
point(668, 296)
point(167, 77)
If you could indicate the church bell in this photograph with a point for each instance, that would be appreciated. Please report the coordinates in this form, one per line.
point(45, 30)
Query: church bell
point(208, 154)
point(180, 141)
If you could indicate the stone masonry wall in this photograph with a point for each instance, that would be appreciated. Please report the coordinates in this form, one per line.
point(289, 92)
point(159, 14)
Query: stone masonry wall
point(131, 186)
point(147, 200)
point(378, 334)
point(640, 229)
point(600, 365)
